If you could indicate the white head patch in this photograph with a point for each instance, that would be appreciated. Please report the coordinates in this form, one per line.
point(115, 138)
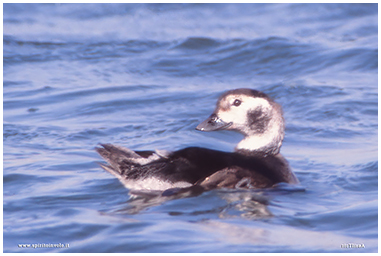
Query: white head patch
point(258, 118)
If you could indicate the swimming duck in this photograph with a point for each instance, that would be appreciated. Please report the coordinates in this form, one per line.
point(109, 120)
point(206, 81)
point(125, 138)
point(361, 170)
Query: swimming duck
point(255, 162)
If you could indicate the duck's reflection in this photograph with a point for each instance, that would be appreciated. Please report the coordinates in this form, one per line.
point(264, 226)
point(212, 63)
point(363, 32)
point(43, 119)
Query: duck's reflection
point(250, 204)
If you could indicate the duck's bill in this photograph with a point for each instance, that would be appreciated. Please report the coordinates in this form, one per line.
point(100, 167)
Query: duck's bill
point(213, 123)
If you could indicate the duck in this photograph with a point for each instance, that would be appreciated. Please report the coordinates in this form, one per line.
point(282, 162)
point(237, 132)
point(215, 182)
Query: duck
point(256, 161)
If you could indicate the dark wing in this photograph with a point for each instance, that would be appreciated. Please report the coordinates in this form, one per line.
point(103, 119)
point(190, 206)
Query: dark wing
point(216, 169)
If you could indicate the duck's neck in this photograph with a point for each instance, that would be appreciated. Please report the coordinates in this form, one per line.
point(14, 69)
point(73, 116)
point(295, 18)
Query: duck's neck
point(266, 143)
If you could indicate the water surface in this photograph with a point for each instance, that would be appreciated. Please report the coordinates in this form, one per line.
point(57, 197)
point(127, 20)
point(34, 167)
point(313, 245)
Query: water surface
point(143, 76)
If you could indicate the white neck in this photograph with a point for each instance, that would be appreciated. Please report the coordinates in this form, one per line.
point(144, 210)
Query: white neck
point(268, 142)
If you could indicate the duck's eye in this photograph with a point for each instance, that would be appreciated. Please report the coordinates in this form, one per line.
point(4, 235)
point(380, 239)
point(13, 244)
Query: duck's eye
point(237, 103)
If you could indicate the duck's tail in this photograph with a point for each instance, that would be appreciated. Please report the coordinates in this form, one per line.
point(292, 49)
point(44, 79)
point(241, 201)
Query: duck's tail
point(117, 157)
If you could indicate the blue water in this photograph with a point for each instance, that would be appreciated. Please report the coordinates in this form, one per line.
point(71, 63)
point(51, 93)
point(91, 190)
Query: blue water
point(143, 76)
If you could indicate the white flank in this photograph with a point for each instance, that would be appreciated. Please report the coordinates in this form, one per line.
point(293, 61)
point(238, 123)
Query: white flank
point(152, 183)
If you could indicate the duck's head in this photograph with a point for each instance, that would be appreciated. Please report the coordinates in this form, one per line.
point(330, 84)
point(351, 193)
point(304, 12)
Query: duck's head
point(251, 113)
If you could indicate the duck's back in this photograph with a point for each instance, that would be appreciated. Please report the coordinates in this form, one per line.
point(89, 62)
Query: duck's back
point(194, 165)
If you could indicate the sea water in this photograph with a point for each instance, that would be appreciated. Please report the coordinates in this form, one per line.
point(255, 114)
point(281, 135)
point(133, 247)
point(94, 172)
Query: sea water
point(143, 76)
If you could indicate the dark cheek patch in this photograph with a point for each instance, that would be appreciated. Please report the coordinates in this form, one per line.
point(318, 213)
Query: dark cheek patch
point(258, 121)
